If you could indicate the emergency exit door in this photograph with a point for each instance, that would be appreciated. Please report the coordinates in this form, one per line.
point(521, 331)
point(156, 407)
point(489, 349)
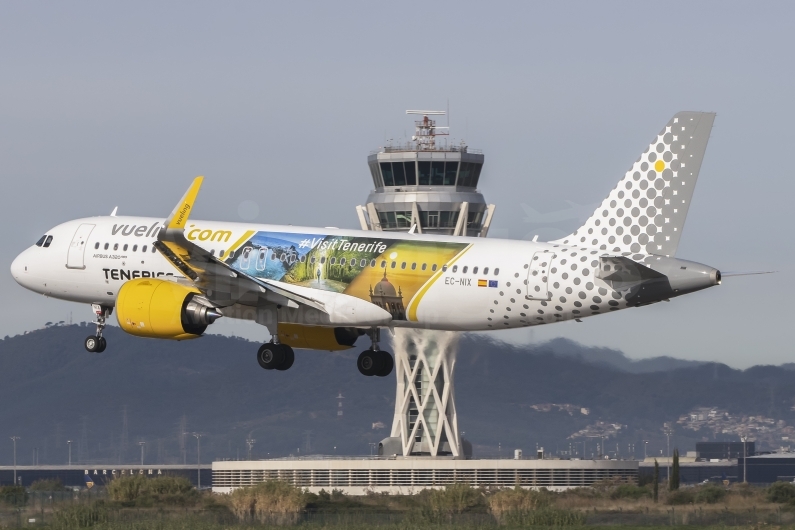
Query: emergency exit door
point(538, 275)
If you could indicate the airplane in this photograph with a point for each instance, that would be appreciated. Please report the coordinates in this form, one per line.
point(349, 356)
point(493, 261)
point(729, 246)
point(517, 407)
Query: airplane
point(323, 288)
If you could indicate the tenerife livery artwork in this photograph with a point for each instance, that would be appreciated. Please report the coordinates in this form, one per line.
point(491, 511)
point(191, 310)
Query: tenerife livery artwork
point(325, 288)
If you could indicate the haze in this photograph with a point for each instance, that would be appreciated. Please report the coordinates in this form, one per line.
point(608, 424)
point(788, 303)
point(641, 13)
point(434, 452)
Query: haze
point(278, 105)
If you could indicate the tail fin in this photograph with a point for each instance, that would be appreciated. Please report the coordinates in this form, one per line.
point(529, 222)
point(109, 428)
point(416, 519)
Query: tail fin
point(646, 211)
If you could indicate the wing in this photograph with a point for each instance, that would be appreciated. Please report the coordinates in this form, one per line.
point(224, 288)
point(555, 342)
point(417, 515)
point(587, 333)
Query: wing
point(224, 286)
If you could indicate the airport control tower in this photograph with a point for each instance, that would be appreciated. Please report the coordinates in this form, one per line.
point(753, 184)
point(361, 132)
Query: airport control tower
point(426, 184)
point(426, 187)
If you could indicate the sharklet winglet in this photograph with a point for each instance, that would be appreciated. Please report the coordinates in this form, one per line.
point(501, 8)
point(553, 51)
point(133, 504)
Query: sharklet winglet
point(179, 216)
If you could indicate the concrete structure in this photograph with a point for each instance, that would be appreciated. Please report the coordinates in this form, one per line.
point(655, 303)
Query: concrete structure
point(74, 475)
point(691, 472)
point(411, 475)
point(426, 188)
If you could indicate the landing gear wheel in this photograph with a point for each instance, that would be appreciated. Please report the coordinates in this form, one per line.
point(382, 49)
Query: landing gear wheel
point(270, 356)
point(289, 357)
point(370, 362)
point(102, 345)
point(92, 344)
point(386, 364)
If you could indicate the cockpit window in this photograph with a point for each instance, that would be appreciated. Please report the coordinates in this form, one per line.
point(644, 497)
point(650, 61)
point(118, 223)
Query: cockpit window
point(47, 241)
point(40, 242)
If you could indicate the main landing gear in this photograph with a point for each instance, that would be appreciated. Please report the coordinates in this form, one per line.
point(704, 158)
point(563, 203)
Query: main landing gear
point(274, 356)
point(97, 343)
point(374, 361)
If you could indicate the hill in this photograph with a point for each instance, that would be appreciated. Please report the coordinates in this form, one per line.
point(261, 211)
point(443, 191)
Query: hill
point(507, 397)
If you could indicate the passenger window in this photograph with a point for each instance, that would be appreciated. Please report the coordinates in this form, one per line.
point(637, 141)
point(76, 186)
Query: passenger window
point(40, 242)
point(424, 266)
point(413, 266)
point(143, 248)
point(372, 263)
point(312, 261)
point(342, 261)
point(153, 249)
point(464, 270)
point(434, 267)
point(96, 245)
point(474, 270)
point(125, 247)
point(383, 264)
point(115, 246)
point(221, 254)
point(323, 260)
point(455, 268)
point(485, 270)
point(496, 271)
point(333, 261)
point(135, 248)
point(403, 265)
point(394, 263)
point(47, 241)
point(444, 268)
point(302, 259)
point(212, 252)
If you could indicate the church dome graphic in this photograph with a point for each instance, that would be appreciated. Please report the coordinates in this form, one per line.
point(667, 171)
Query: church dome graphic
point(385, 296)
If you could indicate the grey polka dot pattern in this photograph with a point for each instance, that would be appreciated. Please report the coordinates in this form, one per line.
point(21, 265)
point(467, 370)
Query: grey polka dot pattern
point(646, 211)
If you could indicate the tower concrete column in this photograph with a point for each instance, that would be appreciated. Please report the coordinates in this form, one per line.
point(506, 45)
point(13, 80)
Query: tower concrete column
point(425, 420)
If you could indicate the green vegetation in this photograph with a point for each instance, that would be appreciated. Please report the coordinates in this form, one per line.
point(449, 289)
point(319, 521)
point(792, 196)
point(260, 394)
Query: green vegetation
point(673, 480)
point(134, 502)
point(656, 481)
point(138, 490)
point(48, 484)
point(781, 492)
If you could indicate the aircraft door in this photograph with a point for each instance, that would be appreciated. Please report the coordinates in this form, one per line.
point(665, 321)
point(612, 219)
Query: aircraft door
point(77, 248)
point(538, 276)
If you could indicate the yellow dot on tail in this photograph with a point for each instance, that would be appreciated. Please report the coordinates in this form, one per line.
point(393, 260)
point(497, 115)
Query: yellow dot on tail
point(659, 166)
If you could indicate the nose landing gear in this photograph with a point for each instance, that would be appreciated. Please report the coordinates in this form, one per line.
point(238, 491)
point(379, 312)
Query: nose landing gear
point(97, 343)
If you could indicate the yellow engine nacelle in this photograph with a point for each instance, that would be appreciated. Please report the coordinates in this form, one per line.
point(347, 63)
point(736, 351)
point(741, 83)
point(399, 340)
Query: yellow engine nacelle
point(318, 338)
point(160, 309)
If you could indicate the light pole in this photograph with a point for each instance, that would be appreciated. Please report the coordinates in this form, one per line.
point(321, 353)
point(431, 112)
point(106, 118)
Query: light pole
point(142, 444)
point(69, 443)
point(745, 457)
point(645, 449)
point(668, 451)
point(198, 437)
point(14, 439)
point(250, 443)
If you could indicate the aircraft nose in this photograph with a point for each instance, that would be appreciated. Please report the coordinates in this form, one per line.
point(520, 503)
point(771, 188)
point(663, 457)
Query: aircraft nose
point(19, 268)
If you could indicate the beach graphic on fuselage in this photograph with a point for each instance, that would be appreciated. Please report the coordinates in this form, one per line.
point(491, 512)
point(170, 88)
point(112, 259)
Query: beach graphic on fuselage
point(386, 272)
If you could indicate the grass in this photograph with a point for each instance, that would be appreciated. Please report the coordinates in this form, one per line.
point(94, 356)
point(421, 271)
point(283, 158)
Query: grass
point(136, 503)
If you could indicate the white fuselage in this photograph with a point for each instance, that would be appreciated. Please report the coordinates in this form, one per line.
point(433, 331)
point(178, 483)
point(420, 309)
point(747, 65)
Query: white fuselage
point(486, 284)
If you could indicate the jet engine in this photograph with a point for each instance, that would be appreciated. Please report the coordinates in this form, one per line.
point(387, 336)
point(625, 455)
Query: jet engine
point(161, 309)
point(317, 337)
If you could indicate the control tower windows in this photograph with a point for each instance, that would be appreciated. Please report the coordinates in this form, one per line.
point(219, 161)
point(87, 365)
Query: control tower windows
point(425, 173)
point(376, 178)
point(438, 219)
point(399, 173)
point(450, 170)
point(474, 219)
point(411, 174)
point(437, 173)
point(386, 172)
point(394, 219)
point(469, 174)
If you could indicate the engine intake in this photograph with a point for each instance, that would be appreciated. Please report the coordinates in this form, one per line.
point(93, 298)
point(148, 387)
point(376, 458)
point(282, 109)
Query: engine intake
point(162, 309)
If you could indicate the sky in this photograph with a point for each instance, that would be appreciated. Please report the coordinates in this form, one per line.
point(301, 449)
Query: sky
point(106, 104)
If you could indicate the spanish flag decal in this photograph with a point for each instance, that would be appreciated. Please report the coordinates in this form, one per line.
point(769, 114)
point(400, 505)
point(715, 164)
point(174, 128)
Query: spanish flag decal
point(483, 283)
